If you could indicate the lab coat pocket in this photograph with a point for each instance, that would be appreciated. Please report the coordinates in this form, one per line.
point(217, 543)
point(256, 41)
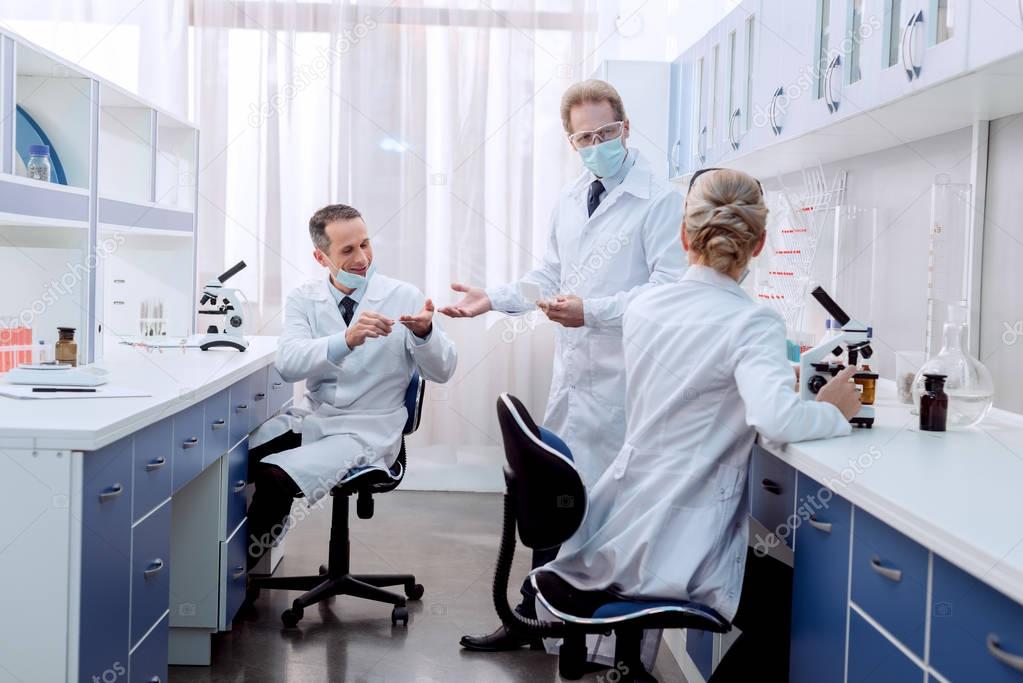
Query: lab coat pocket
point(606, 373)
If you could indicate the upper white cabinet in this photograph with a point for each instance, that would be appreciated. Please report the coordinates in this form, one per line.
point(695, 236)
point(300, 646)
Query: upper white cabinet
point(776, 86)
point(1001, 21)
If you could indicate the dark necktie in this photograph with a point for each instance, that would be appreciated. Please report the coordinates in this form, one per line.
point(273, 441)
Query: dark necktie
point(347, 307)
point(593, 199)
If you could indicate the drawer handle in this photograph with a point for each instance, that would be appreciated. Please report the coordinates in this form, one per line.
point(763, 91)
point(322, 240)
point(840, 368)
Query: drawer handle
point(241, 407)
point(1007, 658)
point(820, 526)
point(260, 396)
point(190, 443)
point(771, 487)
point(887, 572)
point(239, 486)
point(156, 464)
point(154, 568)
point(155, 679)
point(775, 128)
point(112, 492)
point(219, 424)
point(278, 385)
point(239, 572)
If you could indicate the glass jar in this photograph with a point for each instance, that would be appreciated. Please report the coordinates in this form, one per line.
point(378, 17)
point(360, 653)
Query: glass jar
point(65, 351)
point(38, 165)
point(968, 382)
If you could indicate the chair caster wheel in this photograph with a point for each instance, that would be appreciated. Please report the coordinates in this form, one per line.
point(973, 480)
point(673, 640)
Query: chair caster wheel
point(415, 591)
point(291, 617)
point(323, 570)
point(399, 613)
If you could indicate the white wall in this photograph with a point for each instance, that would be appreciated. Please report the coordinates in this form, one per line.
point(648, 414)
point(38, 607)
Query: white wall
point(1001, 313)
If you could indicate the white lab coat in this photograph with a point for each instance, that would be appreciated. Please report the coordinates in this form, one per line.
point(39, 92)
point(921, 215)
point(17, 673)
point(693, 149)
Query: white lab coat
point(352, 414)
point(630, 242)
point(707, 371)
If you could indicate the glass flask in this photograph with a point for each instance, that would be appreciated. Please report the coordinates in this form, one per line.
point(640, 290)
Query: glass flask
point(968, 384)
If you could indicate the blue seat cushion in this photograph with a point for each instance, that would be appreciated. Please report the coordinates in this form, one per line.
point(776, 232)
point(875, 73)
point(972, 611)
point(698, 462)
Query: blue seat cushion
point(555, 442)
point(594, 608)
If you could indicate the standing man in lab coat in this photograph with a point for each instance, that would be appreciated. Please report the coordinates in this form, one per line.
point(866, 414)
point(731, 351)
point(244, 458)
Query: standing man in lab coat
point(356, 338)
point(613, 233)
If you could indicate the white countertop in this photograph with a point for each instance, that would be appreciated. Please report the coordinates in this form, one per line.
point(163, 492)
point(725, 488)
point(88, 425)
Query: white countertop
point(175, 378)
point(959, 493)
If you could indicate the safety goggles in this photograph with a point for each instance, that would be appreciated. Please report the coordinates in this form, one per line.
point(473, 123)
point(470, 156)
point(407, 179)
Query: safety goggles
point(692, 180)
point(588, 138)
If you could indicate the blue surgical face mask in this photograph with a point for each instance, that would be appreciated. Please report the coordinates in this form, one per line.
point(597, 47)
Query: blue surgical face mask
point(351, 280)
point(605, 159)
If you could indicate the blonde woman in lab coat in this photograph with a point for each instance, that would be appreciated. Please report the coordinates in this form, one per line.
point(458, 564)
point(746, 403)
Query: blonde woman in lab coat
point(706, 371)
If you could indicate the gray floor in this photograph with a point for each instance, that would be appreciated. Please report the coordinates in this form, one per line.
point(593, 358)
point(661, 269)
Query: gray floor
point(449, 540)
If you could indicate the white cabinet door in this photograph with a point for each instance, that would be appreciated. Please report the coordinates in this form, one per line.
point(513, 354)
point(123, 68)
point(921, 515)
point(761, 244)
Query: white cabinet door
point(996, 31)
point(925, 44)
point(741, 31)
point(783, 82)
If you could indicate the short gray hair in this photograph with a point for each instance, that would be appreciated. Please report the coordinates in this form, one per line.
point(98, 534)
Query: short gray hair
point(324, 217)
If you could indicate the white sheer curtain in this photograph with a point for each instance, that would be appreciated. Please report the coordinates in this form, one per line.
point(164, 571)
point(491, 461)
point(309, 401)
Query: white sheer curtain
point(440, 124)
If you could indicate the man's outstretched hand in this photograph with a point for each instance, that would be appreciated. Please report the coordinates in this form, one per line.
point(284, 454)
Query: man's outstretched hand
point(421, 323)
point(474, 302)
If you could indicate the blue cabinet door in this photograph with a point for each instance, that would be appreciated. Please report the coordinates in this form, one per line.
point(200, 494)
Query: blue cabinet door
point(773, 485)
point(150, 571)
point(700, 647)
point(279, 390)
point(820, 584)
point(874, 659)
point(216, 415)
point(976, 632)
point(237, 464)
point(889, 579)
point(189, 434)
point(149, 659)
point(233, 557)
point(260, 401)
point(154, 448)
point(240, 410)
point(106, 562)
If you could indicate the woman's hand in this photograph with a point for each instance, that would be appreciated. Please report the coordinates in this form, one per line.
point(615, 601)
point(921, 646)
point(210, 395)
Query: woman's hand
point(842, 393)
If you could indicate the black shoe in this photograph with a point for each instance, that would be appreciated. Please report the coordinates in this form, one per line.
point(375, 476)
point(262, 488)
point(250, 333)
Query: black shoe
point(500, 640)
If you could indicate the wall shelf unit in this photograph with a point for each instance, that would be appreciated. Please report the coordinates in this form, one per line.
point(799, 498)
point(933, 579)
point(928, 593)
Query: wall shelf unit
point(117, 217)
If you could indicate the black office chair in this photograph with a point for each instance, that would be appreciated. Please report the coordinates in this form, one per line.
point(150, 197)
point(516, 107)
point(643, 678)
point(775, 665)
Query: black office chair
point(546, 500)
point(335, 578)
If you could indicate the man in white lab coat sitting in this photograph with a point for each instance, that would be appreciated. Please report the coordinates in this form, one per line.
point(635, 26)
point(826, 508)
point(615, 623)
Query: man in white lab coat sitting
point(613, 234)
point(356, 338)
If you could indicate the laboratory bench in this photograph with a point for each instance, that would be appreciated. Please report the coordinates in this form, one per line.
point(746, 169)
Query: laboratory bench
point(122, 541)
point(907, 549)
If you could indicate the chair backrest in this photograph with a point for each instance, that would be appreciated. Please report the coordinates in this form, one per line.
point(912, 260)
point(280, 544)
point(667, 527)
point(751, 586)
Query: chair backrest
point(414, 403)
point(547, 492)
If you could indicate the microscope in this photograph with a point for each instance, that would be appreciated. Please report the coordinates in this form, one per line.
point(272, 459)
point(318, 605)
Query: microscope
point(226, 303)
point(854, 336)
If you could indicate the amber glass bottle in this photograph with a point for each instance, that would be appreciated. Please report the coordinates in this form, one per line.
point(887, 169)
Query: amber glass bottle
point(933, 404)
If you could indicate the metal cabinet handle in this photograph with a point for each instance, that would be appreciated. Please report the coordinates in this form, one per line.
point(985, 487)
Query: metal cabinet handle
point(241, 407)
point(156, 464)
point(829, 77)
point(190, 443)
point(1007, 658)
point(731, 128)
point(239, 486)
point(819, 526)
point(672, 159)
point(906, 46)
point(771, 487)
point(701, 146)
point(773, 109)
point(278, 385)
point(155, 679)
point(113, 492)
point(260, 396)
point(218, 424)
point(239, 572)
point(155, 567)
point(887, 572)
